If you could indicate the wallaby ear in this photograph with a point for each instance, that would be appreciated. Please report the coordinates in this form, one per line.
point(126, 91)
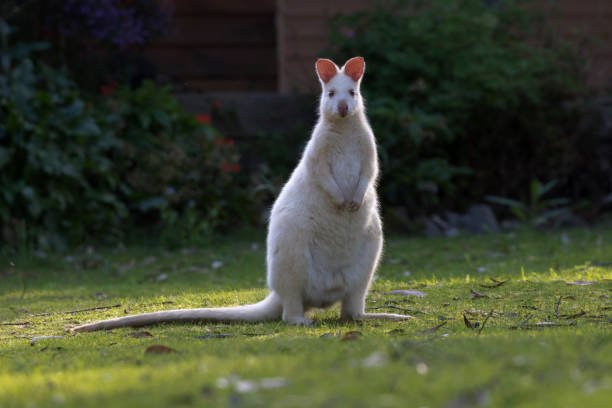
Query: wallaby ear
point(355, 67)
point(326, 69)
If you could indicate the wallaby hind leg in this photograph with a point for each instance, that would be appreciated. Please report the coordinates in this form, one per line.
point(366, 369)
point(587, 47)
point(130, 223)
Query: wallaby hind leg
point(293, 312)
point(353, 305)
point(287, 276)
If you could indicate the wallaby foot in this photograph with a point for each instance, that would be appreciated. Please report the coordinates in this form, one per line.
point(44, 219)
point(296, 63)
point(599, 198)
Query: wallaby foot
point(299, 321)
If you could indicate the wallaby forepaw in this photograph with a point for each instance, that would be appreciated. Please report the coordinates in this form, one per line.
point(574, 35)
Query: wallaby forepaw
point(353, 206)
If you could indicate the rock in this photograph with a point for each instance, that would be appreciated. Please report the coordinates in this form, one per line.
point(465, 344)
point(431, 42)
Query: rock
point(478, 219)
point(438, 227)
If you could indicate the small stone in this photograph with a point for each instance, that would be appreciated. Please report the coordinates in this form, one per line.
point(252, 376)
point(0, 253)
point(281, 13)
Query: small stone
point(421, 368)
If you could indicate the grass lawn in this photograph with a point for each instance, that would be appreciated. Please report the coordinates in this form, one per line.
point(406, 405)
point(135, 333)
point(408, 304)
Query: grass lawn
point(519, 319)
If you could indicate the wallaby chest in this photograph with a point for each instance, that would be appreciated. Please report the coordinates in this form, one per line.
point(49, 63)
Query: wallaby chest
point(346, 159)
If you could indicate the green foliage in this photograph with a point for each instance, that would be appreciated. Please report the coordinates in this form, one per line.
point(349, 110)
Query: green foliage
point(55, 155)
point(177, 169)
point(538, 210)
point(465, 100)
point(280, 152)
point(75, 166)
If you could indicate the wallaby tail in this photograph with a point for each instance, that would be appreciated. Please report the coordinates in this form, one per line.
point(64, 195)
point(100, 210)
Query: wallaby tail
point(268, 309)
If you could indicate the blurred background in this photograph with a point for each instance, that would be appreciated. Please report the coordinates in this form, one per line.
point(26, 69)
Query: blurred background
point(174, 121)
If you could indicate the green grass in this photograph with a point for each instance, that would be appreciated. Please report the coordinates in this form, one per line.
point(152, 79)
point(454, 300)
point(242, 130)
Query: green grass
point(536, 340)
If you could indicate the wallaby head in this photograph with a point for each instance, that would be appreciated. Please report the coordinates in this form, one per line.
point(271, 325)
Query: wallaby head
point(340, 96)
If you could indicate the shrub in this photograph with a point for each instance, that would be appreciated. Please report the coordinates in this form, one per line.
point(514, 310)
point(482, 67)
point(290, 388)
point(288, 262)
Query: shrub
point(75, 166)
point(177, 166)
point(464, 99)
point(55, 154)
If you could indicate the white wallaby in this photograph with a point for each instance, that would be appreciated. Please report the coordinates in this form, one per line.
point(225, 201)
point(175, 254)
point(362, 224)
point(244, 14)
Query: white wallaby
point(325, 235)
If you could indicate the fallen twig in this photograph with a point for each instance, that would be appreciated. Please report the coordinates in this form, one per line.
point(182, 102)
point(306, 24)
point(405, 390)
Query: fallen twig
point(15, 324)
point(433, 329)
point(574, 316)
point(89, 309)
point(402, 309)
point(522, 324)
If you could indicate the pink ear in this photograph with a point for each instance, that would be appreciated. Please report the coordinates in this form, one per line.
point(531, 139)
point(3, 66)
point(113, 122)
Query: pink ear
point(326, 69)
point(355, 68)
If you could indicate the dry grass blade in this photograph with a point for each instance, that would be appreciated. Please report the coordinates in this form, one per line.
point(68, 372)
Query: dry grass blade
point(485, 321)
point(557, 304)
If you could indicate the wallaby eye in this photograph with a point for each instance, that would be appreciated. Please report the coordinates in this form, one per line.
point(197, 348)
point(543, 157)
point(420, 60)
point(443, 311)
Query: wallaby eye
point(352, 92)
point(331, 93)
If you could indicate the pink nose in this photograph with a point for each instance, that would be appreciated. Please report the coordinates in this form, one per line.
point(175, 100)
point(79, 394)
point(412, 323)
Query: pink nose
point(342, 108)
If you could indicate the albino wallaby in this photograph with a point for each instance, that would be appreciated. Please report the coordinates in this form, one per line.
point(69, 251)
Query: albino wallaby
point(325, 235)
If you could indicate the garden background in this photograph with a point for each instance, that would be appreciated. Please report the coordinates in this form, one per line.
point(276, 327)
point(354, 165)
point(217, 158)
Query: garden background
point(142, 143)
point(184, 118)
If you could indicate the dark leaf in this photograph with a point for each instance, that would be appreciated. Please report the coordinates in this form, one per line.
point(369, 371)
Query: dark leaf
point(477, 295)
point(469, 324)
point(159, 349)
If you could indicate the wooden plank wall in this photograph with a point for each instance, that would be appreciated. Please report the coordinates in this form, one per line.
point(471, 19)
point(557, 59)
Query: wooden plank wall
point(303, 31)
point(271, 45)
point(589, 22)
point(219, 45)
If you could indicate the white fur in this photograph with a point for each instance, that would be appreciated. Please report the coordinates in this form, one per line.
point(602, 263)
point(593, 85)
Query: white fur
point(325, 234)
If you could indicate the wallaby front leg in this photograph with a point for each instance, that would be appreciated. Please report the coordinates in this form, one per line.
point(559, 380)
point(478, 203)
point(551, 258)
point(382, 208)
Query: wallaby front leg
point(330, 186)
point(357, 199)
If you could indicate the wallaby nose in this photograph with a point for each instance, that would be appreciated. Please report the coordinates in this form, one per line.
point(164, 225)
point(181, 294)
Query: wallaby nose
point(342, 108)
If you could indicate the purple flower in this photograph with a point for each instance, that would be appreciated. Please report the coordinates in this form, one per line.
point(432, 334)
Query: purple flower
point(118, 22)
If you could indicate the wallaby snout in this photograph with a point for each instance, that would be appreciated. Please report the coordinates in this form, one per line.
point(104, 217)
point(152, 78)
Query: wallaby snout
point(342, 108)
